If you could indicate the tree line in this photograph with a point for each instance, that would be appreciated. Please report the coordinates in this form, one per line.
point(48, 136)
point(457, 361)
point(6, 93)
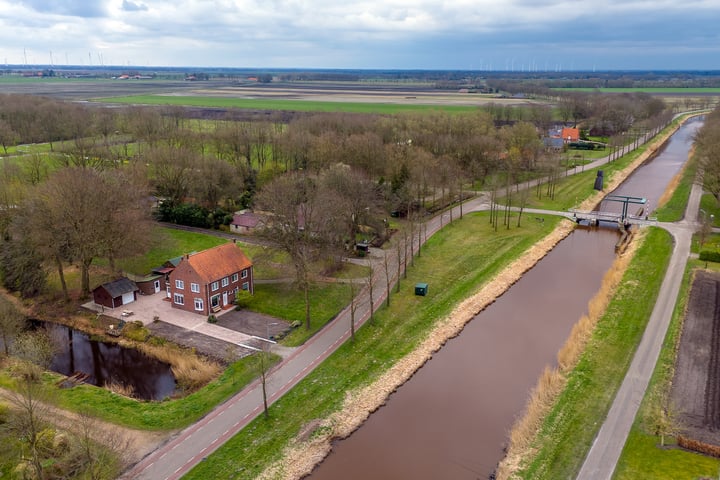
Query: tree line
point(89, 196)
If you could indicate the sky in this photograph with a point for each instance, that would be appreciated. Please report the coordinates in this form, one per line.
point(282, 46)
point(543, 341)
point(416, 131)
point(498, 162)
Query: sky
point(505, 35)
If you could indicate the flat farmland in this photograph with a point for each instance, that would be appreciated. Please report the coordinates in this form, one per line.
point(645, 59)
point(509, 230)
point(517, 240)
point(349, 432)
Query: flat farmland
point(307, 96)
point(321, 97)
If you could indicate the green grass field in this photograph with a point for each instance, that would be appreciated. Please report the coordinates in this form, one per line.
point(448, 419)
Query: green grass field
point(292, 105)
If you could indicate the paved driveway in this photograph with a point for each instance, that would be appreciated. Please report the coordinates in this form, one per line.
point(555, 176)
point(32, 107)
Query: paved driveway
point(186, 328)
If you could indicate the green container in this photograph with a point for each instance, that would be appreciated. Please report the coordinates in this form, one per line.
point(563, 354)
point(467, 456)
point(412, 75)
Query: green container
point(421, 289)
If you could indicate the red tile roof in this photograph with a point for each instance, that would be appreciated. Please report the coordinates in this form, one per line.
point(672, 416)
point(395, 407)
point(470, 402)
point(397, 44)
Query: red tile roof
point(570, 134)
point(218, 262)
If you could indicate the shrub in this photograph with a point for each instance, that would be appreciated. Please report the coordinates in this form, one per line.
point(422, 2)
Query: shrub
point(135, 331)
point(212, 319)
point(243, 299)
point(709, 256)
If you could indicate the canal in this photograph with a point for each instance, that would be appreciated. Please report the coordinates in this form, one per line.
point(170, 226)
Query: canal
point(452, 418)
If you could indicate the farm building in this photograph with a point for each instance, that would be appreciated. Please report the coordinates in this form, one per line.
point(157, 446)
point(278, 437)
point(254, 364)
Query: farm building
point(116, 293)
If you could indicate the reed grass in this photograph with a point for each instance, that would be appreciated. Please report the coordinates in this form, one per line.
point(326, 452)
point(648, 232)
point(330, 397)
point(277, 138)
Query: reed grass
point(553, 380)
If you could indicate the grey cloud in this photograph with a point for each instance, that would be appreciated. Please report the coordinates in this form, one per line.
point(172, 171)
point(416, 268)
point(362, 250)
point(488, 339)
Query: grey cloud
point(129, 6)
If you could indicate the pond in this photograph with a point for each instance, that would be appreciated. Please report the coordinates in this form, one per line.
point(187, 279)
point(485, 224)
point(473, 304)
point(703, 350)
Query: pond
point(107, 363)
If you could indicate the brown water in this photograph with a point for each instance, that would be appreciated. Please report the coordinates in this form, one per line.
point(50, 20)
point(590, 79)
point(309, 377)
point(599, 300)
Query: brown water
point(451, 419)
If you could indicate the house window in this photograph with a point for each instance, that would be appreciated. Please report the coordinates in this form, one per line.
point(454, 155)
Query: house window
point(225, 282)
point(178, 299)
point(244, 273)
point(215, 301)
point(214, 286)
point(246, 286)
point(199, 306)
point(234, 277)
point(179, 284)
point(195, 287)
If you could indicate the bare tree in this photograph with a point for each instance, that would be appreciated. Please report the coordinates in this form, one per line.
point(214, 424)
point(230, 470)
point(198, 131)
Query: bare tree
point(82, 214)
point(303, 222)
point(29, 396)
point(353, 308)
point(103, 452)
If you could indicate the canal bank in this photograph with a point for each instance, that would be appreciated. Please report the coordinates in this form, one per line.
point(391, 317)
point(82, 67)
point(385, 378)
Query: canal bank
point(360, 404)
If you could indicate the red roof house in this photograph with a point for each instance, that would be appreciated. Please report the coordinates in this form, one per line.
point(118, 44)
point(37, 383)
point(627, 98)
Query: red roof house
point(207, 281)
point(244, 222)
point(570, 135)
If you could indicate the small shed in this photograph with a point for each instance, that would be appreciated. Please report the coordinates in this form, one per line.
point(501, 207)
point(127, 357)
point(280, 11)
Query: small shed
point(148, 284)
point(116, 293)
point(421, 289)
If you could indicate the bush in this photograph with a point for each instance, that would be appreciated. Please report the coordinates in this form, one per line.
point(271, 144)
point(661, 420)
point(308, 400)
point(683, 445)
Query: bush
point(135, 331)
point(698, 446)
point(709, 256)
point(212, 319)
point(243, 299)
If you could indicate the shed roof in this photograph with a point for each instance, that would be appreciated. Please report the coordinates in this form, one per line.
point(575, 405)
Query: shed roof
point(119, 287)
point(246, 219)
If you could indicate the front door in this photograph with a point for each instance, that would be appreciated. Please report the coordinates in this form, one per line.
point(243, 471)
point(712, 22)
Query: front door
point(157, 286)
point(225, 302)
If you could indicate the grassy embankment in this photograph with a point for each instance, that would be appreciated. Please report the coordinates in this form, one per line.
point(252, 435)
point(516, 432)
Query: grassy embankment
point(568, 430)
point(642, 456)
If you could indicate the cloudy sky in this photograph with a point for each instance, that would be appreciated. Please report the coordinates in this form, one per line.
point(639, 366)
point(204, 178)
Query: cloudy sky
point(384, 34)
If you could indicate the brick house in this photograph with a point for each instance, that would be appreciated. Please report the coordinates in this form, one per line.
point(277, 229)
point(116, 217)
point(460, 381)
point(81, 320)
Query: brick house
point(205, 282)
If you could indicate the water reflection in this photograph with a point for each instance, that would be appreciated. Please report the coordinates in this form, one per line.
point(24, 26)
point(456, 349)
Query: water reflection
point(107, 363)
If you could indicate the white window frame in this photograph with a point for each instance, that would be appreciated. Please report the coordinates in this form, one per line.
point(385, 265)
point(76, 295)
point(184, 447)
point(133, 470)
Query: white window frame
point(178, 299)
point(214, 286)
point(195, 287)
point(180, 284)
point(246, 286)
point(199, 305)
point(244, 273)
point(234, 277)
point(215, 301)
point(225, 281)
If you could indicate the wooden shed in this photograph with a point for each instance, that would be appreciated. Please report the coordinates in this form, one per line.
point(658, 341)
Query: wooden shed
point(116, 293)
